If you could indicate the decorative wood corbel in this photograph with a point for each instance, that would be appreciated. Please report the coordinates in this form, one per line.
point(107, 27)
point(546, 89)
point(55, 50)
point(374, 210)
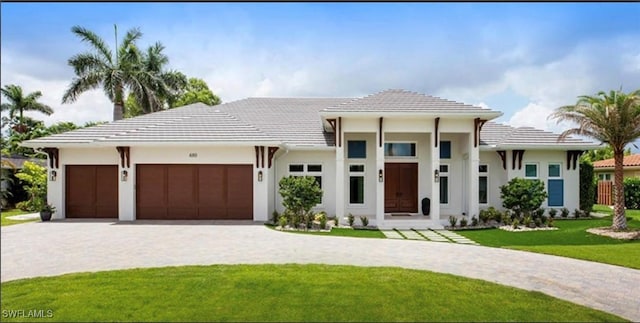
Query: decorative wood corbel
point(271, 153)
point(477, 126)
point(437, 132)
point(380, 132)
point(517, 154)
point(124, 156)
point(503, 157)
point(53, 154)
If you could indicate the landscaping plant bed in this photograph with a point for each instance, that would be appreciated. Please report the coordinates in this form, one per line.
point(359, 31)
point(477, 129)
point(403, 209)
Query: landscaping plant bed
point(510, 228)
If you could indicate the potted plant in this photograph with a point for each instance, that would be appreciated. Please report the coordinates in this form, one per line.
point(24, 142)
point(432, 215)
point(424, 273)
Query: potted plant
point(46, 212)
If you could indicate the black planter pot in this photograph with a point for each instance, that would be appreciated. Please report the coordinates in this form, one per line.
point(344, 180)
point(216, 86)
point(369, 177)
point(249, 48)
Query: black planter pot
point(45, 216)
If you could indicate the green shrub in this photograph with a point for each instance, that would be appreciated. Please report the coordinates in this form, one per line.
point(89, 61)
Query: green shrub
point(24, 206)
point(364, 220)
point(552, 213)
point(632, 193)
point(587, 186)
point(322, 218)
point(539, 213)
point(516, 223)
point(282, 221)
point(463, 222)
point(523, 195)
point(577, 213)
point(537, 222)
point(35, 178)
point(527, 221)
point(300, 194)
point(351, 219)
point(484, 216)
point(474, 221)
point(453, 220)
point(550, 222)
point(275, 217)
point(336, 221)
point(564, 212)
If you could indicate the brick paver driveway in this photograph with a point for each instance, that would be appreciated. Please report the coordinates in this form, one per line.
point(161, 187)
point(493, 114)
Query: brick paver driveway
point(48, 249)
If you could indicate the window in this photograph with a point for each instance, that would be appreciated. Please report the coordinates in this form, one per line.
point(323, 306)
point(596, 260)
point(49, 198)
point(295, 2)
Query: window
point(531, 170)
point(400, 149)
point(356, 184)
point(445, 149)
point(313, 170)
point(555, 170)
point(444, 184)
point(604, 177)
point(483, 184)
point(356, 149)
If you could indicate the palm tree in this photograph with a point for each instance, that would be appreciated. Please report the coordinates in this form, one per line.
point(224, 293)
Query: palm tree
point(114, 73)
point(18, 103)
point(612, 118)
point(165, 84)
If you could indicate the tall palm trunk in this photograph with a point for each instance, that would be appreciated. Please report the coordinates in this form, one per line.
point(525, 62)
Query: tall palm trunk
point(619, 219)
point(118, 111)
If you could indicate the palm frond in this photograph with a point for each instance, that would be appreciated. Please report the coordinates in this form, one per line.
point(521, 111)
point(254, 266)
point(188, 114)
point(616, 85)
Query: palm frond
point(90, 37)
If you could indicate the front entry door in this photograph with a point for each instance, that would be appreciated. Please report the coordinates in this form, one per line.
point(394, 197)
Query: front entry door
point(401, 187)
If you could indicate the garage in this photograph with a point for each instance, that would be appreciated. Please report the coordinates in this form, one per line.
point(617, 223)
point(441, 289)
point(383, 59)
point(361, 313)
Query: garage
point(91, 191)
point(194, 192)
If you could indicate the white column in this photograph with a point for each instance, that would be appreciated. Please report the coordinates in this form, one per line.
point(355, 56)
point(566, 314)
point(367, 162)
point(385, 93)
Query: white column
point(55, 191)
point(380, 185)
point(435, 186)
point(340, 206)
point(127, 193)
point(260, 194)
point(472, 172)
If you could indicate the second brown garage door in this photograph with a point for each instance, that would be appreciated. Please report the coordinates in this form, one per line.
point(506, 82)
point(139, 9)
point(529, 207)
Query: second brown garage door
point(194, 192)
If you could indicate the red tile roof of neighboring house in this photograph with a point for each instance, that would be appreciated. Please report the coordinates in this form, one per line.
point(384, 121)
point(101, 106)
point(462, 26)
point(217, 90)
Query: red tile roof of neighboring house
point(631, 160)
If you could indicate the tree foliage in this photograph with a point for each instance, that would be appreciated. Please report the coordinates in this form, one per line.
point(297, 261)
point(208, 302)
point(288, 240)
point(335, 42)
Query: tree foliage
point(18, 103)
point(523, 196)
point(632, 193)
point(601, 154)
point(126, 69)
point(587, 186)
point(35, 177)
point(196, 91)
point(300, 194)
point(612, 118)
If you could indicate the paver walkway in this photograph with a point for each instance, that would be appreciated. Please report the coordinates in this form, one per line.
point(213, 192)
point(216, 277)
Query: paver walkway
point(59, 247)
point(428, 235)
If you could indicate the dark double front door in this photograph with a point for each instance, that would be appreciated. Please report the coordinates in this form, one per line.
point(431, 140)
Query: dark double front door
point(401, 187)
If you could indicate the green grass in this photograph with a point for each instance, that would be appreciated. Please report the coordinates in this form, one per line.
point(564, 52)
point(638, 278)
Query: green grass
point(283, 293)
point(8, 213)
point(570, 240)
point(342, 232)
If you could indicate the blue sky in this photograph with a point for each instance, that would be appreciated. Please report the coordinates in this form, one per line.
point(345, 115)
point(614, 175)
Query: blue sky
point(524, 59)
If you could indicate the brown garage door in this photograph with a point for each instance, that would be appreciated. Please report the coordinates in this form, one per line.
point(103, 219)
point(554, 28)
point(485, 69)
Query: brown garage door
point(194, 192)
point(91, 191)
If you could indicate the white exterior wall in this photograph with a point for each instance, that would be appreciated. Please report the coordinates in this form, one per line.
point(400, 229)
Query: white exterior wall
point(370, 177)
point(498, 176)
point(458, 174)
point(73, 156)
point(325, 158)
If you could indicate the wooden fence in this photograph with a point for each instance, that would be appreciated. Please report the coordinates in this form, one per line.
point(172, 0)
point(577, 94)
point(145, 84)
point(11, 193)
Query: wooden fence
point(605, 192)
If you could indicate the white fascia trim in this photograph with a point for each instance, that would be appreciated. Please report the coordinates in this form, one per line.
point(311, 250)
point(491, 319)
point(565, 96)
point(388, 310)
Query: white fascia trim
point(558, 146)
point(99, 144)
point(489, 115)
point(308, 147)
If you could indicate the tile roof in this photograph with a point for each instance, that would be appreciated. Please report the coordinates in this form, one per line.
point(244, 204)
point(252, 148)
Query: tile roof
point(193, 123)
point(507, 136)
point(406, 101)
point(291, 121)
point(628, 161)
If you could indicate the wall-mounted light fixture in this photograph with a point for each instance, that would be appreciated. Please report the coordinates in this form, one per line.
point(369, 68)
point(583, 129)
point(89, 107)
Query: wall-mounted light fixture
point(436, 176)
point(124, 176)
point(380, 176)
point(259, 176)
point(54, 175)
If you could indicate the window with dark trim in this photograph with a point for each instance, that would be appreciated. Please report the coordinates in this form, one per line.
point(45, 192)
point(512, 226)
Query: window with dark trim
point(483, 184)
point(356, 184)
point(444, 184)
point(400, 149)
point(445, 149)
point(356, 149)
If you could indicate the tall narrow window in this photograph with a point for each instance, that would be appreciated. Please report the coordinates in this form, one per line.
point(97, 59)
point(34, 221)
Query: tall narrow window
point(444, 184)
point(483, 184)
point(555, 185)
point(356, 184)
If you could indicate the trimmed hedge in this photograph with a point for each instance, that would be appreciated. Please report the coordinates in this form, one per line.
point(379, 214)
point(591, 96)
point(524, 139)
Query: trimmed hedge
point(587, 186)
point(632, 193)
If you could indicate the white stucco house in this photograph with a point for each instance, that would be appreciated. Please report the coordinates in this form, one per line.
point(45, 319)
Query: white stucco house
point(391, 156)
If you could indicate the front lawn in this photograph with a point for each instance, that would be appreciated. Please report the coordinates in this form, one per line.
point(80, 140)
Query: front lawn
point(571, 240)
point(282, 293)
point(342, 232)
point(8, 213)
